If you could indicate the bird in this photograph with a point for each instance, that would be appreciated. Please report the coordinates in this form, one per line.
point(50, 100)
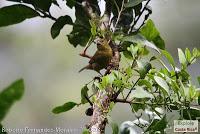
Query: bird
point(101, 58)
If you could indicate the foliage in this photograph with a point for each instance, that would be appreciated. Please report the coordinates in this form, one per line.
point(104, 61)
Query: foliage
point(9, 96)
point(145, 87)
point(15, 14)
point(66, 107)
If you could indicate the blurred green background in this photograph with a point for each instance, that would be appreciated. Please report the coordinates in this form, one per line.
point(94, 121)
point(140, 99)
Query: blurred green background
point(50, 67)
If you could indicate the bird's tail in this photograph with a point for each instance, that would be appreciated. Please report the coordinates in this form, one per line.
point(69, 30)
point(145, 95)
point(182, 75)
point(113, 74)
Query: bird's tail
point(86, 67)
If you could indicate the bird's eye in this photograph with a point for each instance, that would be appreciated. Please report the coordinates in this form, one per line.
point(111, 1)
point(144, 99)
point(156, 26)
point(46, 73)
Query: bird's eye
point(98, 44)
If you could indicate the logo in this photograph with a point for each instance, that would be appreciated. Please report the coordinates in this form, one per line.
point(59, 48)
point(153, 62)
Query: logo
point(185, 125)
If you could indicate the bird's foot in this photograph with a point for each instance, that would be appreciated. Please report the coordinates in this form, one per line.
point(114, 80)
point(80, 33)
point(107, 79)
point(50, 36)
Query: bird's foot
point(83, 54)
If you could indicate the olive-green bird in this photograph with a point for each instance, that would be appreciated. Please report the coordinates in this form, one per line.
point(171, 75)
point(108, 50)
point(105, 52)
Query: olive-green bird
point(101, 58)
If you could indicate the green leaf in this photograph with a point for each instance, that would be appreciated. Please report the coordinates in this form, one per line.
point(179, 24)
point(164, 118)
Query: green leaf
point(39, 4)
point(196, 52)
point(106, 80)
point(133, 3)
point(198, 78)
point(161, 82)
point(15, 0)
point(71, 3)
point(151, 126)
point(139, 39)
point(129, 71)
point(115, 128)
point(118, 83)
point(169, 57)
point(139, 92)
point(175, 87)
point(136, 107)
point(150, 32)
point(133, 49)
point(9, 96)
point(84, 94)
point(144, 68)
point(42, 4)
point(64, 108)
point(79, 36)
point(81, 29)
point(19, 0)
point(193, 93)
point(188, 54)
point(159, 42)
point(59, 24)
point(24, 1)
point(197, 93)
point(194, 113)
point(81, 32)
point(98, 85)
point(143, 82)
point(14, 14)
point(199, 100)
point(86, 131)
point(182, 58)
point(93, 28)
point(126, 53)
point(184, 75)
point(112, 104)
point(157, 125)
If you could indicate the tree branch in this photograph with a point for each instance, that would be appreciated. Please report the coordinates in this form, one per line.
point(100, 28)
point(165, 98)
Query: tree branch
point(100, 107)
point(46, 15)
point(138, 18)
point(103, 97)
point(119, 15)
point(150, 104)
point(102, 102)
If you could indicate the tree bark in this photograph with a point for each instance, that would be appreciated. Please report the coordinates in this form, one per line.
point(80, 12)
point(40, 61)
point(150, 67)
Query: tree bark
point(98, 122)
point(103, 99)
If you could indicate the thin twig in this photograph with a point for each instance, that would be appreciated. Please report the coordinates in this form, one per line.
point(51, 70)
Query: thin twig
point(83, 54)
point(118, 10)
point(46, 15)
point(118, 17)
point(88, 99)
point(132, 89)
point(136, 21)
point(150, 104)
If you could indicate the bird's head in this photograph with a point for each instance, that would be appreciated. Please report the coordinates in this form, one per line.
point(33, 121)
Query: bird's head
point(103, 44)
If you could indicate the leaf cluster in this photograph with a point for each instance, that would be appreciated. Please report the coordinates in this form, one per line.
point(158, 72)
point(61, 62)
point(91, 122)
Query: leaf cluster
point(87, 25)
point(9, 96)
point(145, 86)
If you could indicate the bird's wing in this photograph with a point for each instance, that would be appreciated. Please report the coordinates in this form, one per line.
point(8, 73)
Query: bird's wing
point(97, 56)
